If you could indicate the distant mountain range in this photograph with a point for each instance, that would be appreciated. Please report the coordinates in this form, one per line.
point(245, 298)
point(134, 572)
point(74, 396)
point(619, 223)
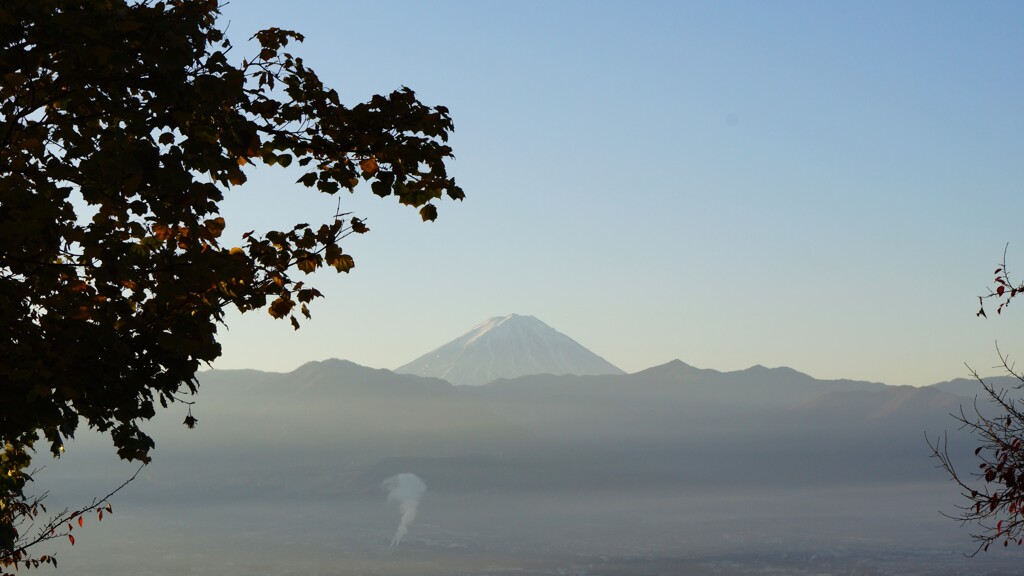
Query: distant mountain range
point(332, 431)
point(508, 347)
point(669, 427)
point(333, 428)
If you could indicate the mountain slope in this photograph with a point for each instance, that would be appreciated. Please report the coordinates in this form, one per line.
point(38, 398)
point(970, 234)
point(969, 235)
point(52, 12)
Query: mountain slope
point(508, 347)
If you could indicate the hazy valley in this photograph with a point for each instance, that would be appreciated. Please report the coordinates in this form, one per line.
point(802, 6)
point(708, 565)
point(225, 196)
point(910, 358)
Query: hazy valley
point(670, 470)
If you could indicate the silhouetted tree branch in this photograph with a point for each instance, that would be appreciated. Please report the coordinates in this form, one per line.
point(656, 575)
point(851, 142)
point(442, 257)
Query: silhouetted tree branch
point(22, 516)
point(994, 491)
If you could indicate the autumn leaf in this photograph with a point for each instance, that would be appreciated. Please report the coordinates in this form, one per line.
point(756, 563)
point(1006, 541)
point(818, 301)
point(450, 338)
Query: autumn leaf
point(280, 307)
point(369, 167)
point(215, 226)
point(343, 263)
point(308, 263)
point(162, 232)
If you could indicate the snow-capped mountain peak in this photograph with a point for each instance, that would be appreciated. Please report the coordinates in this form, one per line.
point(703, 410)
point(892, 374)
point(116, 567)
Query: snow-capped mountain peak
point(508, 347)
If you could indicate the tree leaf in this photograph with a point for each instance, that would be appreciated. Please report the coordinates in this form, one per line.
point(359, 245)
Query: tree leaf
point(369, 167)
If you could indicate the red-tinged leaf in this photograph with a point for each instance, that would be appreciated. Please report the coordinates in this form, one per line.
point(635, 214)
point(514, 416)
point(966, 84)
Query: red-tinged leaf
point(1000, 290)
point(72, 539)
point(99, 515)
point(998, 270)
point(70, 527)
point(977, 450)
point(999, 528)
point(80, 521)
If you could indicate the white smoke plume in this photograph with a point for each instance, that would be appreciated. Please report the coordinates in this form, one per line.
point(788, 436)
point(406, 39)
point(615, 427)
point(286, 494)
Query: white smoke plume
point(406, 489)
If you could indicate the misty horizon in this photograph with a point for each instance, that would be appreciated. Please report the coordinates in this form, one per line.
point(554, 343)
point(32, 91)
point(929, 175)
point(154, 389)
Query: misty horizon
point(589, 473)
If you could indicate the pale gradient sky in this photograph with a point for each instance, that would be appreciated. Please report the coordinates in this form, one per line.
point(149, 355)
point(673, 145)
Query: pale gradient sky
point(818, 185)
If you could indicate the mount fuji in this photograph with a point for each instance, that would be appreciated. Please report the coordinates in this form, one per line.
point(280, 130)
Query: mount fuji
point(508, 347)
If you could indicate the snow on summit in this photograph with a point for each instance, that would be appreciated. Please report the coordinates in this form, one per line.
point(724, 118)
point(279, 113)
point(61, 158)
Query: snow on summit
point(508, 347)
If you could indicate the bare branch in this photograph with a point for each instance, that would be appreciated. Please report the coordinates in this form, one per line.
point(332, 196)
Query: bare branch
point(994, 493)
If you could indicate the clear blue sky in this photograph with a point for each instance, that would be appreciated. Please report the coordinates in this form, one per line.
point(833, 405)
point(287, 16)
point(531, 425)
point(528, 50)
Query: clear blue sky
point(821, 185)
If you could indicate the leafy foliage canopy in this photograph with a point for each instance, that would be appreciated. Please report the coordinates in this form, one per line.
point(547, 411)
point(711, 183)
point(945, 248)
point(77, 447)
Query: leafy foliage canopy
point(123, 125)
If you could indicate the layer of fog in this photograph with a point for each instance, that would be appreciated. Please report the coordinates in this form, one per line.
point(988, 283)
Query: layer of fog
point(284, 475)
